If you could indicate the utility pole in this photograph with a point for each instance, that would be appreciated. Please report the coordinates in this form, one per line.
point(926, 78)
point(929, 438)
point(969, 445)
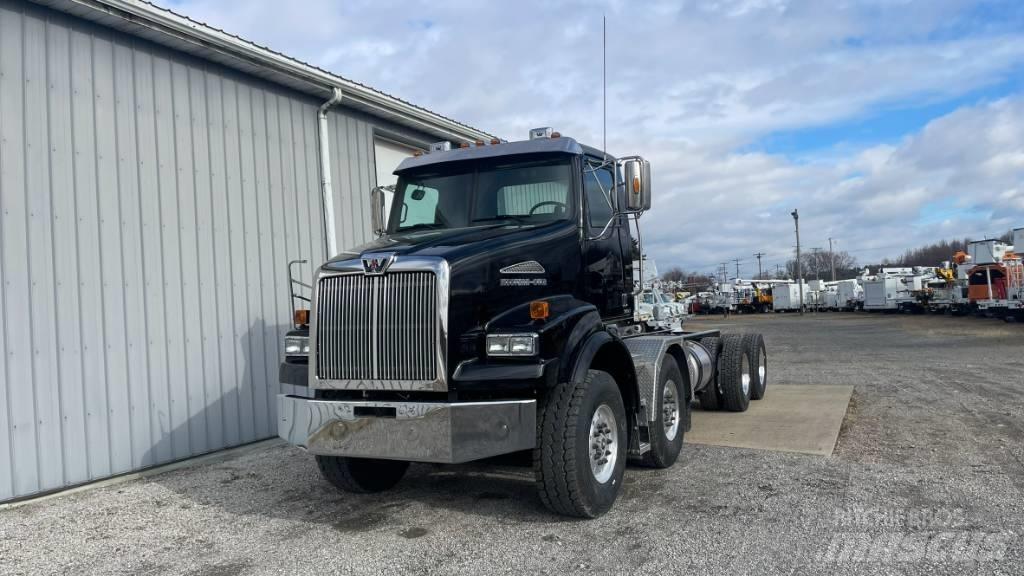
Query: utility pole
point(778, 270)
point(723, 269)
point(799, 275)
point(758, 256)
point(737, 261)
point(817, 261)
point(832, 259)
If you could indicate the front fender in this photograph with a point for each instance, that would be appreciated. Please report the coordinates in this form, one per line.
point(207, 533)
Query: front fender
point(569, 322)
point(602, 351)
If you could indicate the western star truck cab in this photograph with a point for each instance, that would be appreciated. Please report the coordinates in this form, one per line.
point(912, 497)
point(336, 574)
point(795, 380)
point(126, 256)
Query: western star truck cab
point(494, 314)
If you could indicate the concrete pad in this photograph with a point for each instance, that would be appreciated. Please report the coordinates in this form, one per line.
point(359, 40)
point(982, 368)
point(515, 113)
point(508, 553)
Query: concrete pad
point(790, 418)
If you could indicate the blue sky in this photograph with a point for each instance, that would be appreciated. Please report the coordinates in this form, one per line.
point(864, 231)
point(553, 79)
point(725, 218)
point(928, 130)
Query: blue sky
point(883, 124)
point(889, 124)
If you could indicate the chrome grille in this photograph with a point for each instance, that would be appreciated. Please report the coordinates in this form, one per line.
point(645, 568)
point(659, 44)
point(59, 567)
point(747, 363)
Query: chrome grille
point(377, 327)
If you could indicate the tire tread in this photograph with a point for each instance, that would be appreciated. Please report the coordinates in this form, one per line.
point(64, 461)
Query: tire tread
point(554, 458)
point(730, 367)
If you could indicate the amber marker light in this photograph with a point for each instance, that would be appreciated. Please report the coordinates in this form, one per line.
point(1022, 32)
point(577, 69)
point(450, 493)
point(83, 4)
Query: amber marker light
point(539, 310)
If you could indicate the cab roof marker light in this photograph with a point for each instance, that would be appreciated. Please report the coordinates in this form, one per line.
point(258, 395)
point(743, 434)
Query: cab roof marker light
point(543, 132)
point(442, 146)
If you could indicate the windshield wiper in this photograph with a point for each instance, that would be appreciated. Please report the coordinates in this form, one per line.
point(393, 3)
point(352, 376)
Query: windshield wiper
point(518, 219)
point(420, 226)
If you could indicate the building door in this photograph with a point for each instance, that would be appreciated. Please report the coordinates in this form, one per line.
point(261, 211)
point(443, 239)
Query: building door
point(388, 154)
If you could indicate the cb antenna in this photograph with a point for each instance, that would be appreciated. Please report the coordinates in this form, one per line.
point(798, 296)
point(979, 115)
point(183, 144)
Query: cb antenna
point(604, 84)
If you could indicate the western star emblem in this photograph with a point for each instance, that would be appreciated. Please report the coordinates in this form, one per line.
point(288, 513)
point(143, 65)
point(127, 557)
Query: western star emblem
point(377, 263)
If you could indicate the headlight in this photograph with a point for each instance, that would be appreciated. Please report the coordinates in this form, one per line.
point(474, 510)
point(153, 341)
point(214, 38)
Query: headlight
point(511, 344)
point(296, 346)
point(645, 317)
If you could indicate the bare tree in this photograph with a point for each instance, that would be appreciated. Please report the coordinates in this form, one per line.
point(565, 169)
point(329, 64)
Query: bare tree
point(689, 281)
point(935, 253)
point(674, 274)
point(819, 264)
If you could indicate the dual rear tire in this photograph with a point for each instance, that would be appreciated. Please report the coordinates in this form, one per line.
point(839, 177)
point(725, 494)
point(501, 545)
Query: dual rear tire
point(742, 372)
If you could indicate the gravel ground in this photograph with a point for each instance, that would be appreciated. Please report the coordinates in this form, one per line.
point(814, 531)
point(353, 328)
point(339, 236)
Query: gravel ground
point(927, 479)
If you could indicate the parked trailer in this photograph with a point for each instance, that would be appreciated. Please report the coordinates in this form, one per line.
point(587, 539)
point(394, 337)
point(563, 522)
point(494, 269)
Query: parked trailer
point(1007, 291)
point(850, 294)
point(991, 280)
point(786, 297)
point(892, 289)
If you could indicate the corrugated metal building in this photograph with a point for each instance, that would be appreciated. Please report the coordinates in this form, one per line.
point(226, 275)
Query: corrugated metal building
point(156, 175)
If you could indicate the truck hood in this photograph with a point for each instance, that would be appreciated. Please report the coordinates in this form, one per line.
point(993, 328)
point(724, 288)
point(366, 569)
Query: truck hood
point(463, 245)
point(492, 270)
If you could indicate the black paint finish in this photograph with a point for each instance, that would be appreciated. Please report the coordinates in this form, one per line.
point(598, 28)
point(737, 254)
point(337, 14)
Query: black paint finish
point(588, 283)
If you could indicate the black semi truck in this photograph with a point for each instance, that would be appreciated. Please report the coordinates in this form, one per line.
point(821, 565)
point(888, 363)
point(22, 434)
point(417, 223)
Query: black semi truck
point(495, 314)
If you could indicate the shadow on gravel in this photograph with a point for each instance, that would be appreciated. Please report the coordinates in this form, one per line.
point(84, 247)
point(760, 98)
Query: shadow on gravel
point(282, 482)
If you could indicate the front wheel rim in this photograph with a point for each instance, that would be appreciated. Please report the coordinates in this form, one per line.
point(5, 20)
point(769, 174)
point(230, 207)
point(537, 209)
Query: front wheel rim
point(670, 410)
point(604, 443)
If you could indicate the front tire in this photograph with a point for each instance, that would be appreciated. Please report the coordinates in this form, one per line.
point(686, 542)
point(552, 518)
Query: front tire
point(581, 446)
point(361, 475)
point(666, 431)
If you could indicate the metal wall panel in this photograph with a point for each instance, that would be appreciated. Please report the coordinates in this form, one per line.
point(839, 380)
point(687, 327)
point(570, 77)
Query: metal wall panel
point(149, 202)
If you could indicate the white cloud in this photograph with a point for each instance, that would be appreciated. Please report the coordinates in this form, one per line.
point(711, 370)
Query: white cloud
point(968, 163)
point(692, 83)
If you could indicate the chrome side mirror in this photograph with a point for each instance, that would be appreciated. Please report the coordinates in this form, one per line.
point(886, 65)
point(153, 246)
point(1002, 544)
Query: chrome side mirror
point(377, 202)
point(637, 179)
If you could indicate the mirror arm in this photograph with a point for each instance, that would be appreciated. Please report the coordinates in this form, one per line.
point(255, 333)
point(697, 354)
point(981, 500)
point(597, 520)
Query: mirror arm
point(640, 249)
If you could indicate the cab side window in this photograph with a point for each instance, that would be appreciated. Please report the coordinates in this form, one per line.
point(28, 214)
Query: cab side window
point(419, 206)
point(597, 186)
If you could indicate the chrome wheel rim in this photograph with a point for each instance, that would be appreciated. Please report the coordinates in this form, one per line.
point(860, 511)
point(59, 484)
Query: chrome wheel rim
point(604, 440)
point(762, 368)
point(745, 378)
point(670, 410)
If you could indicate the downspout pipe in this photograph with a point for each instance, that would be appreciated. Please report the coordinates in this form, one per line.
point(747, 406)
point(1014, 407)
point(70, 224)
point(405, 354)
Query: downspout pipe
point(326, 188)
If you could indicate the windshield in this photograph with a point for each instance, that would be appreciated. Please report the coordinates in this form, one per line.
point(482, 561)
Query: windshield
point(525, 193)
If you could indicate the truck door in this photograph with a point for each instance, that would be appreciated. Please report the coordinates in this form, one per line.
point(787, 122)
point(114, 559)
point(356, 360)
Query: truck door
point(604, 281)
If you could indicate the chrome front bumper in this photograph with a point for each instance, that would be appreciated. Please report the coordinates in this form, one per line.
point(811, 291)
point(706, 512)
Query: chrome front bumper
point(414, 431)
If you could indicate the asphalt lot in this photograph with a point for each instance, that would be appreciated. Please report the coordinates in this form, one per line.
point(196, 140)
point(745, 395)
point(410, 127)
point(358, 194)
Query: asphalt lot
point(927, 478)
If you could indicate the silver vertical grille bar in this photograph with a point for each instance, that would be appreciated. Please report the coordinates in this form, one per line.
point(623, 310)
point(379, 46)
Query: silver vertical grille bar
point(378, 328)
